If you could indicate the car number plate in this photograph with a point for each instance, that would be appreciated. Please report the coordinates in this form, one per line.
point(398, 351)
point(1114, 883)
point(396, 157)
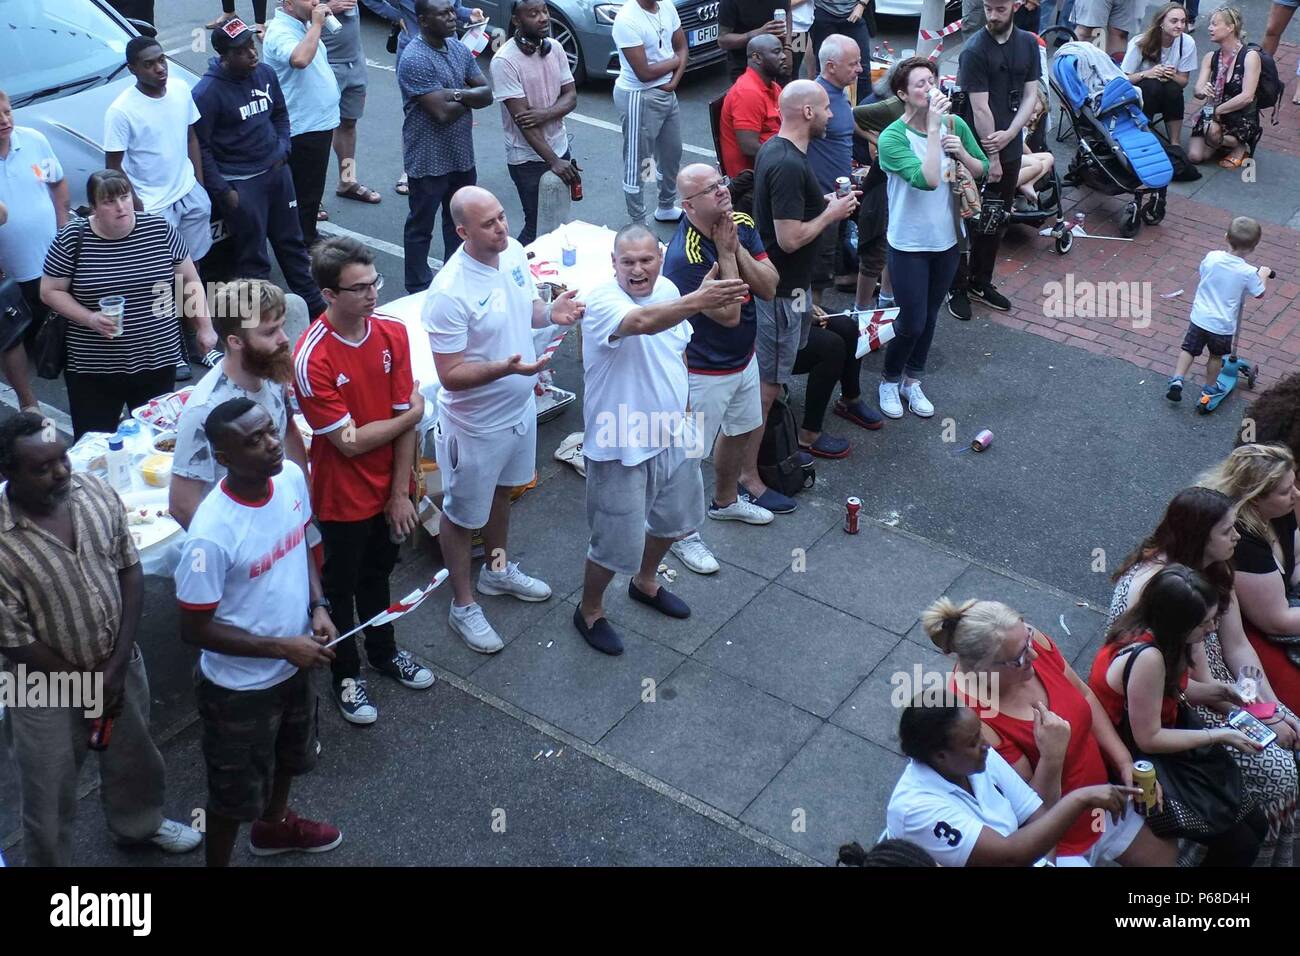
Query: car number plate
point(703, 35)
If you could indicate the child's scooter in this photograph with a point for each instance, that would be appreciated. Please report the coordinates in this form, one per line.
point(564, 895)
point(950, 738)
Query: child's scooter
point(1233, 367)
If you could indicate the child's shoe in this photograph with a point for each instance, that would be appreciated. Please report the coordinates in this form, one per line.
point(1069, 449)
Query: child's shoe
point(1175, 393)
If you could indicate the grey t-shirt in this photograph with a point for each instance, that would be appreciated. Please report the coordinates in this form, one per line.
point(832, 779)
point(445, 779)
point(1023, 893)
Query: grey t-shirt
point(344, 48)
point(193, 456)
point(836, 8)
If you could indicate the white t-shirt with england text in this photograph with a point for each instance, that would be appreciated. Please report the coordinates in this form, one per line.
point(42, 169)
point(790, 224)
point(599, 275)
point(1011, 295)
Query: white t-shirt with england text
point(486, 313)
point(247, 562)
point(154, 136)
point(627, 376)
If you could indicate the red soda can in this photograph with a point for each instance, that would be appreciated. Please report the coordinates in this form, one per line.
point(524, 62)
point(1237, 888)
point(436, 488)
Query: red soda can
point(101, 729)
point(851, 509)
point(575, 190)
point(982, 440)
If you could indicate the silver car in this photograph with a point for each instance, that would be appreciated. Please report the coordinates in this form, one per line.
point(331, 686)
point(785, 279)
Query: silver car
point(582, 28)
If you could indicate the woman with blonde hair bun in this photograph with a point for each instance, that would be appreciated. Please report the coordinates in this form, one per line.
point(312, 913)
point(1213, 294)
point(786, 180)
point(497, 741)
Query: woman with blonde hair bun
point(1261, 478)
point(1044, 721)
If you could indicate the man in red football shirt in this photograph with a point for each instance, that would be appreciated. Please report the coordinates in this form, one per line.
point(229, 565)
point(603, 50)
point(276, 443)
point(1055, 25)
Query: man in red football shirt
point(750, 116)
point(352, 376)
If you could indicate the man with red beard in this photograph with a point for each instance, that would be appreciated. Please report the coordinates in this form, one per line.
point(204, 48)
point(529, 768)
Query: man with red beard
point(249, 315)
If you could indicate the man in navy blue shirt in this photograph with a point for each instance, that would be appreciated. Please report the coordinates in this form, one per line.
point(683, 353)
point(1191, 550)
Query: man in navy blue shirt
point(725, 394)
point(243, 133)
point(440, 84)
point(832, 156)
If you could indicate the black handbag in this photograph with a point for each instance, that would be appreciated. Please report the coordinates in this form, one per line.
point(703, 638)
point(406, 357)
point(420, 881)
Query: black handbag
point(1203, 793)
point(50, 350)
point(391, 46)
point(15, 316)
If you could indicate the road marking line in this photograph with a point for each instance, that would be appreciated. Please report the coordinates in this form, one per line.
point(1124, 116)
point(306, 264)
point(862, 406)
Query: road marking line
point(380, 245)
point(60, 419)
point(580, 118)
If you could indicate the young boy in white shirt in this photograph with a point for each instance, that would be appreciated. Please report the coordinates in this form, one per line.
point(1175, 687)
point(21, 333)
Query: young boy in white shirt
point(1225, 279)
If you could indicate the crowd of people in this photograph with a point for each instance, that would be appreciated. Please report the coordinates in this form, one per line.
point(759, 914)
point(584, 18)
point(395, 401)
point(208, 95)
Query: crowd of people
point(289, 546)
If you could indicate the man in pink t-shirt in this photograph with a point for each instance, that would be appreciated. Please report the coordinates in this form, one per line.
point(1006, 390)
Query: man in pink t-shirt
point(532, 82)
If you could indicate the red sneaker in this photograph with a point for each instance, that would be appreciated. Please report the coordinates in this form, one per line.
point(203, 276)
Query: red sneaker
point(293, 834)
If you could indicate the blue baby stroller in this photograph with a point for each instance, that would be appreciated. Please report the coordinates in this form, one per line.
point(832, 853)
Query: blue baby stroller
point(1118, 152)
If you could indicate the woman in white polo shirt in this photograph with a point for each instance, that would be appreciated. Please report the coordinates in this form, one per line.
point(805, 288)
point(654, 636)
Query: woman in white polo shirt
point(963, 804)
point(1159, 62)
point(916, 151)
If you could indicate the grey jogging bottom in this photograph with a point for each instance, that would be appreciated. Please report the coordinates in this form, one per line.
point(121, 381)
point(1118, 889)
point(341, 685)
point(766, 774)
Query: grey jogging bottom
point(652, 146)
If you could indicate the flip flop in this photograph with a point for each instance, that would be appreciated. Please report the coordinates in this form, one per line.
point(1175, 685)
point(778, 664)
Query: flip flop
point(322, 215)
point(1229, 163)
point(359, 193)
point(402, 188)
point(220, 21)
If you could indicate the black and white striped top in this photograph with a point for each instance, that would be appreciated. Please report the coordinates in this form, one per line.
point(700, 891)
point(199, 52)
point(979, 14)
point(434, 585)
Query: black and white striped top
point(140, 266)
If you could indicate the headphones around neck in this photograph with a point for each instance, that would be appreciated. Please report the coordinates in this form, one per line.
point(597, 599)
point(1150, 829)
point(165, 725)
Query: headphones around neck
point(542, 49)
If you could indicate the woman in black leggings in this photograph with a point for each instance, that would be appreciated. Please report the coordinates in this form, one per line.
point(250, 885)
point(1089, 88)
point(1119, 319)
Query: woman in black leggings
point(228, 13)
point(829, 357)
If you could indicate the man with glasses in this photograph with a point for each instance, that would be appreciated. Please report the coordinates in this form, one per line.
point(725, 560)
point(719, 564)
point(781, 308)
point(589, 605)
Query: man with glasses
point(532, 82)
point(352, 377)
point(480, 313)
point(723, 379)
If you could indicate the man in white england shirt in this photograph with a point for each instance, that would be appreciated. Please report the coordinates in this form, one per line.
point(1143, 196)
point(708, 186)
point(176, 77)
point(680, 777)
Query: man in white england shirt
point(480, 313)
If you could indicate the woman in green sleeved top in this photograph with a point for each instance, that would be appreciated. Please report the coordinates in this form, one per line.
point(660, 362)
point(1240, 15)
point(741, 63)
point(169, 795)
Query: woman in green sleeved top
point(915, 152)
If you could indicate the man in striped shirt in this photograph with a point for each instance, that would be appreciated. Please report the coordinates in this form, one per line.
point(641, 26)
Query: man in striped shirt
point(71, 590)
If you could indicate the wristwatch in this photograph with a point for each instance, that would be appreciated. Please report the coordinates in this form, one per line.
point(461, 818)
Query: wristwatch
point(320, 602)
point(455, 95)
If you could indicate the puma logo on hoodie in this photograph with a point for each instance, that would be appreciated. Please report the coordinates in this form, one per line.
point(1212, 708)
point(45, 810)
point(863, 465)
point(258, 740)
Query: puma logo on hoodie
point(260, 103)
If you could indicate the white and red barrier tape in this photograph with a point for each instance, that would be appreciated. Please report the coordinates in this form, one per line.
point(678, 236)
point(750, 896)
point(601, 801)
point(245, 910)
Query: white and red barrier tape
point(949, 30)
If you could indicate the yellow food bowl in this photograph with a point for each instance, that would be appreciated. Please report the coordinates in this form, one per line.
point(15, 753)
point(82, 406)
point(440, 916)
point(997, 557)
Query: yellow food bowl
point(157, 470)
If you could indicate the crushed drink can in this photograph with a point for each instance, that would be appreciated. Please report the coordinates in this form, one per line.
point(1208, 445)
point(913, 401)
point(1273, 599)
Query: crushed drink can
point(843, 185)
point(982, 441)
point(851, 508)
point(1144, 776)
point(101, 730)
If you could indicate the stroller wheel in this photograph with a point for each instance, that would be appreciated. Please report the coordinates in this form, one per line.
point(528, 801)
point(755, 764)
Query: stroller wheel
point(1130, 224)
point(1153, 213)
point(1064, 240)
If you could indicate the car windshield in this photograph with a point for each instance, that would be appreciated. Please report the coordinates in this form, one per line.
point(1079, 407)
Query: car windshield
point(45, 45)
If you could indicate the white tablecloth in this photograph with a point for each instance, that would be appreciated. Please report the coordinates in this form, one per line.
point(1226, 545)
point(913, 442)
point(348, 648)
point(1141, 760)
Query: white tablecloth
point(594, 265)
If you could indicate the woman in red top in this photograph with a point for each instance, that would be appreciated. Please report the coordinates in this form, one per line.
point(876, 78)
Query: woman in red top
point(1178, 607)
point(1044, 721)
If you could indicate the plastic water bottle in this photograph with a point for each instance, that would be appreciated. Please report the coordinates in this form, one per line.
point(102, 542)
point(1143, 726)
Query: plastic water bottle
point(118, 462)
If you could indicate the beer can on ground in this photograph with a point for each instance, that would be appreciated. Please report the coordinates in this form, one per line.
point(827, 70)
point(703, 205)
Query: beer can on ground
point(101, 729)
point(1144, 776)
point(843, 185)
point(851, 509)
point(982, 440)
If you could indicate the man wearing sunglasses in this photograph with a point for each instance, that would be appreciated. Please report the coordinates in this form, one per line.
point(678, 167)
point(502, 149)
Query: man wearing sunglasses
point(724, 381)
point(352, 378)
point(532, 82)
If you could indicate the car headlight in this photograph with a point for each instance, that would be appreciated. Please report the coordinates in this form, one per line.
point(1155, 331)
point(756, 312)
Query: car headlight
point(606, 12)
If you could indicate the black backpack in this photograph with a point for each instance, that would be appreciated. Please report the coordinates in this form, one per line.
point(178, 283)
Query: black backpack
point(1268, 92)
point(778, 455)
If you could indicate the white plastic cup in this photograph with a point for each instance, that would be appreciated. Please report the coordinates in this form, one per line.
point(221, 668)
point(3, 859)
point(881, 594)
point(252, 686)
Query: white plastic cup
point(114, 307)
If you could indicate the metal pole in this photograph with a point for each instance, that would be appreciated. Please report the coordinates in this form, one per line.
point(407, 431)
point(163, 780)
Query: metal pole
point(932, 22)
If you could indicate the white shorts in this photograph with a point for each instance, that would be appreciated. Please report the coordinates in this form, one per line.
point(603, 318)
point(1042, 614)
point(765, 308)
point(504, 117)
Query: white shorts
point(474, 466)
point(191, 216)
point(1114, 840)
point(732, 403)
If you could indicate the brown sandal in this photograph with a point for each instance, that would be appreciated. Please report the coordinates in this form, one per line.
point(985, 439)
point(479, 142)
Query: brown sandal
point(359, 193)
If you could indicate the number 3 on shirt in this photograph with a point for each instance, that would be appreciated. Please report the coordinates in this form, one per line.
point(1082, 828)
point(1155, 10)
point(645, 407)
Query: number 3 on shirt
point(944, 832)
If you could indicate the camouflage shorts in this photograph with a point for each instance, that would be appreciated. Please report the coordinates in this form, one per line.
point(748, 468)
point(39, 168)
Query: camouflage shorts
point(250, 734)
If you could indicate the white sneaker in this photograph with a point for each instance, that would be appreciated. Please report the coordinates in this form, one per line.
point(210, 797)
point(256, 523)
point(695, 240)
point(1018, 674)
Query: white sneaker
point(512, 581)
point(695, 554)
point(890, 404)
point(671, 214)
point(173, 837)
point(474, 629)
point(741, 510)
point(916, 399)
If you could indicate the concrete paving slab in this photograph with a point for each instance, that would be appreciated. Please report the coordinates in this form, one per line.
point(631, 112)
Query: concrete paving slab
point(768, 550)
point(712, 736)
point(797, 649)
point(833, 792)
point(869, 711)
point(876, 575)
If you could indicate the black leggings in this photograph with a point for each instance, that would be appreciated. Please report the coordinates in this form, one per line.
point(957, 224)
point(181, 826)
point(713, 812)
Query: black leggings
point(259, 9)
point(1161, 98)
point(96, 399)
point(1240, 845)
point(830, 355)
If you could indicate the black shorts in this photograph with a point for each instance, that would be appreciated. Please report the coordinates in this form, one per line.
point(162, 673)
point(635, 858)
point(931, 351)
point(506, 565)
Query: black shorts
point(1198, 338)
point(250, 734)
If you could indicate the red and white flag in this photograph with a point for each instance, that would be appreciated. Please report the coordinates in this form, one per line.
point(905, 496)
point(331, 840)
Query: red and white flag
point(397, 609)
point(875, 329)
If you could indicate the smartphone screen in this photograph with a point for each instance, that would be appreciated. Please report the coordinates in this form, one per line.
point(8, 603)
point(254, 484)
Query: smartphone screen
point(1251, 727)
